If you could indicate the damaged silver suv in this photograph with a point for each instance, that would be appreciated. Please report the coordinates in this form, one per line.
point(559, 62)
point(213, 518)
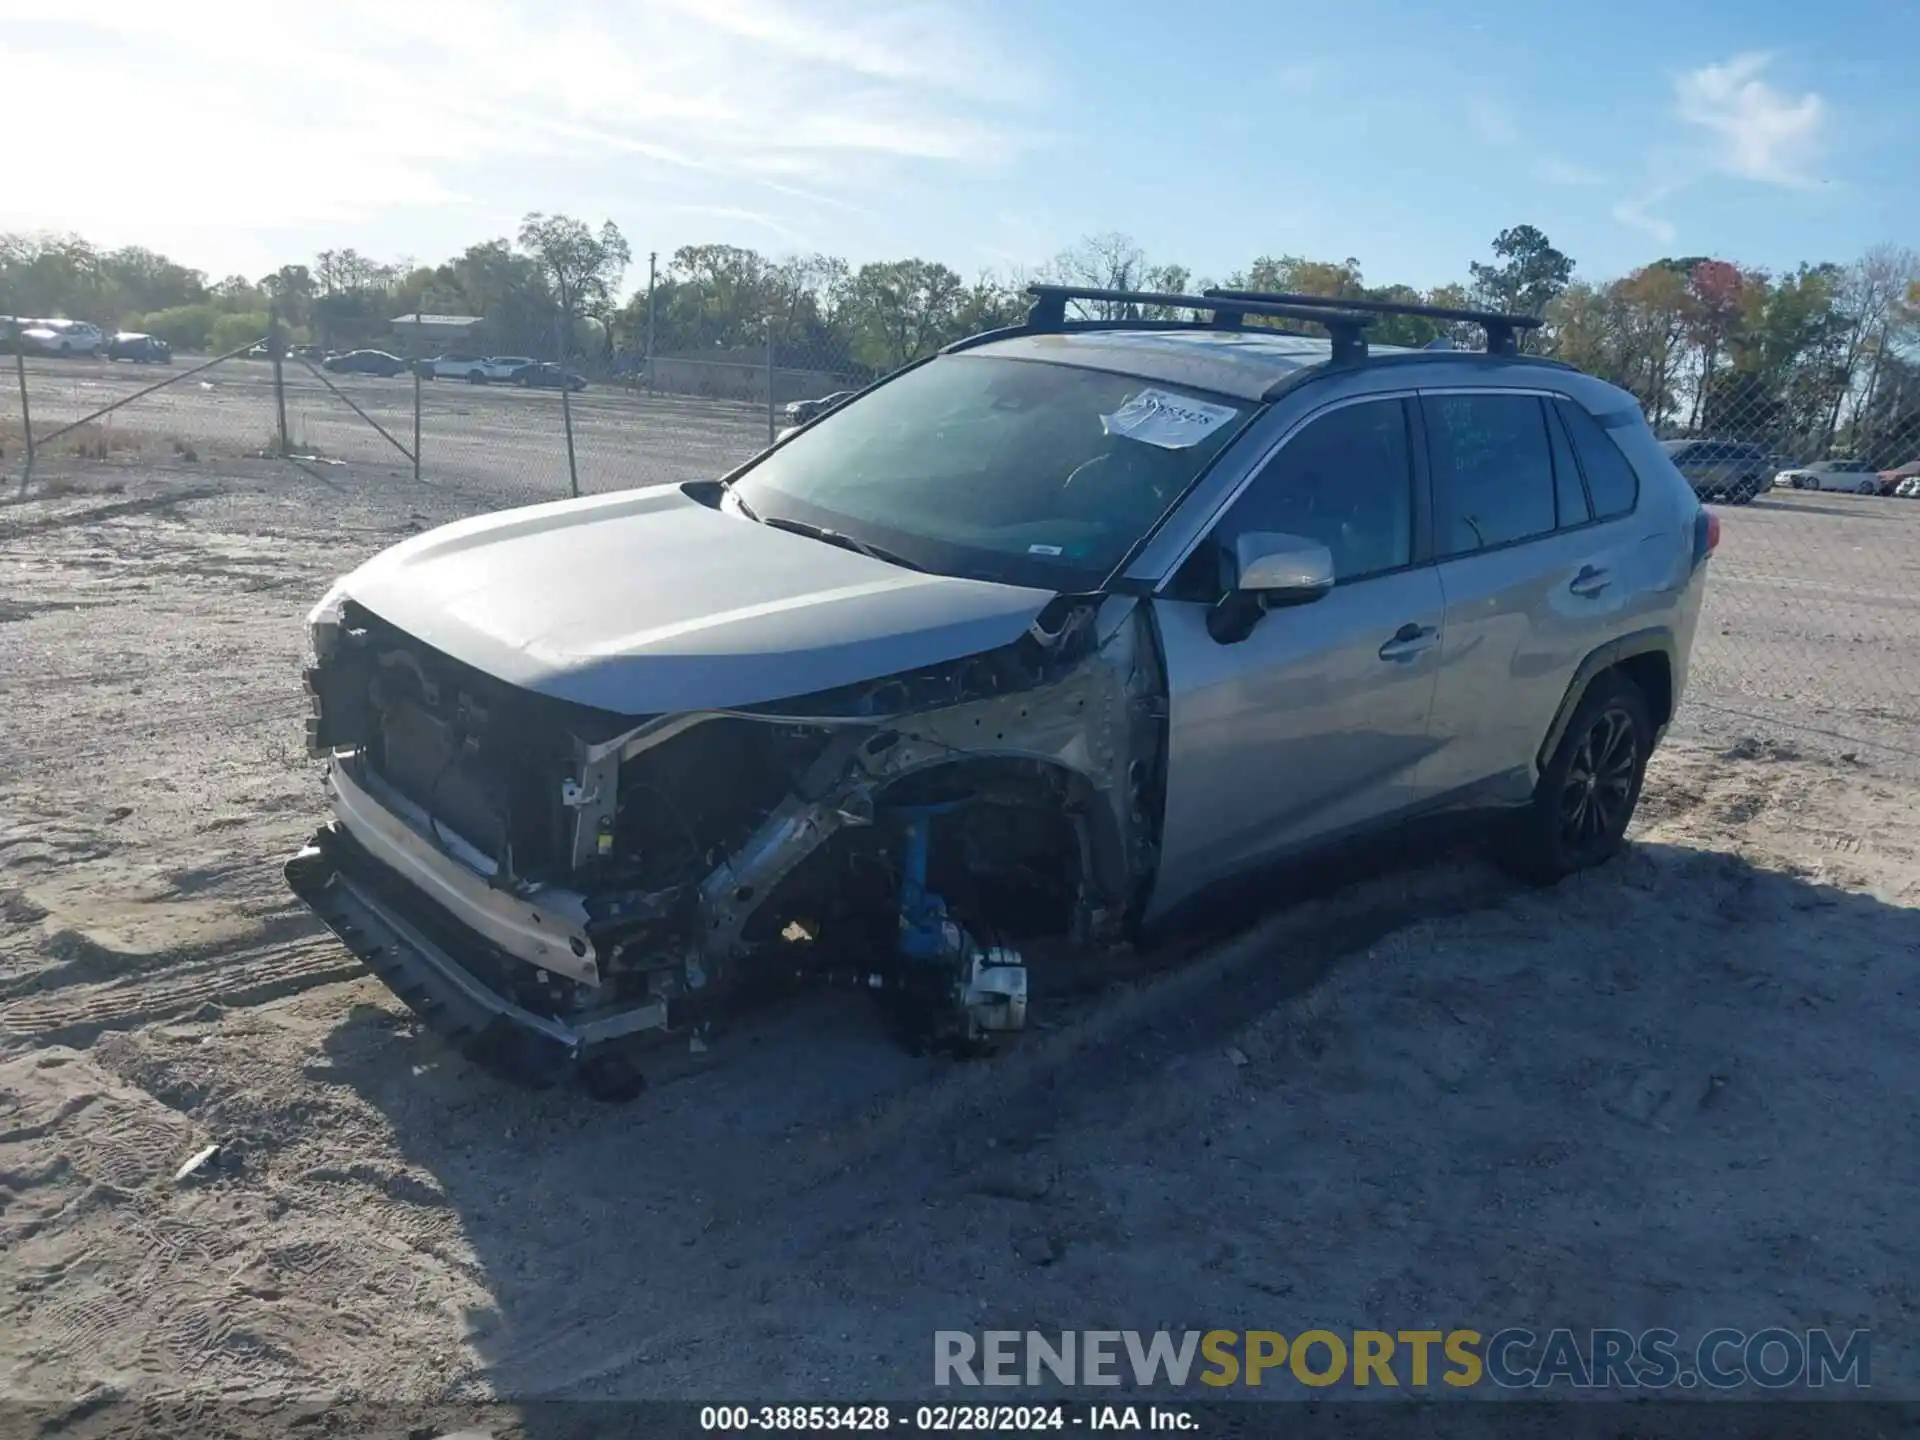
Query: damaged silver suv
point(1037, 642)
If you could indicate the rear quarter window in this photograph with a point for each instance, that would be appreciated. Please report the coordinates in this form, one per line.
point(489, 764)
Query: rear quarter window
point(1611, 480)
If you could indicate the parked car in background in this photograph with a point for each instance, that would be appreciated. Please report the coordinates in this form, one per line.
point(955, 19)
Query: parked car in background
point(135, 345)
point(455, 367)
point(1892, 480)
point(799, 412)
point(1733, 471)
point(1909, 488)
point(1856, 477)
point(545, 375)
point(365, 362)
point(478, 369)
point(63, 337)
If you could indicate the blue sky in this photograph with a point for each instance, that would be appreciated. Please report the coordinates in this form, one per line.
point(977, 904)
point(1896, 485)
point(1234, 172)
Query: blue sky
point(985, 133)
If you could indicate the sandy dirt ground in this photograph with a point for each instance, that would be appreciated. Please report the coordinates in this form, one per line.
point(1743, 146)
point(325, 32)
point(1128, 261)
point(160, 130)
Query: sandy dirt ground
point(1674, 1092)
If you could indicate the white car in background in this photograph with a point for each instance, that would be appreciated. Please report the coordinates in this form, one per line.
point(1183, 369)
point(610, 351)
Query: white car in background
point(1857, 477)
point(477, 369)
point(63, 337)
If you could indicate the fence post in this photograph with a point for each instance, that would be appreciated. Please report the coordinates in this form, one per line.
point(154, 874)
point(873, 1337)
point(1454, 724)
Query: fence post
point(646, 365)
point(772, 429)
point(26, 417)
point(276, 350)
point(566, 402)
point(419, 344)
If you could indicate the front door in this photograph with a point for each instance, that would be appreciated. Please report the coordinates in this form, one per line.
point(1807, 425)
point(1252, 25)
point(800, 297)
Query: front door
point(1316, 723)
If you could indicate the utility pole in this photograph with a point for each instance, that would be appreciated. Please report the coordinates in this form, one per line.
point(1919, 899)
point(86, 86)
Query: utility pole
point(277, 351)
point(652, 256)
point(773, 424)
point(566, 404)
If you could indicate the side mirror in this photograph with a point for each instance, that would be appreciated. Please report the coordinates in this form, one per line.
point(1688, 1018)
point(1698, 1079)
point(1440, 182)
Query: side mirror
point(1270, 571)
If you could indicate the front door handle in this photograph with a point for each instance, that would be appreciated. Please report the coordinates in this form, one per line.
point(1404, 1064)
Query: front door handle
point(1410, 642)
point(1589, 582)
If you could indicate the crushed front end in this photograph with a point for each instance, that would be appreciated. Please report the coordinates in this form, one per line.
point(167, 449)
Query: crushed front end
point(550, 885)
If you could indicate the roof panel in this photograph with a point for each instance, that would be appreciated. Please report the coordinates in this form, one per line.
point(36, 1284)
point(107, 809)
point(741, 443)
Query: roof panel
point(1243, 364)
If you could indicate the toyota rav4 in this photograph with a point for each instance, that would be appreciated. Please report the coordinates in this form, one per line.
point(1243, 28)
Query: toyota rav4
point(1026, 649)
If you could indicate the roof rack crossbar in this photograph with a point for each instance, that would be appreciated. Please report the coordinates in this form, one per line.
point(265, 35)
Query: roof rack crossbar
point(1502, 330)
point(1346, 328)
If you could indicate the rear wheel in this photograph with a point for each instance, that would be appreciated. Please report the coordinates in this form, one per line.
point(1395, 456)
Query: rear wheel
point(1744, 492)
point(1587, 791)
point(1868, 487)
point(476, 377)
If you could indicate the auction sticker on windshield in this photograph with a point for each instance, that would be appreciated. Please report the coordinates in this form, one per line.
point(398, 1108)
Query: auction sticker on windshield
point(1173, 422)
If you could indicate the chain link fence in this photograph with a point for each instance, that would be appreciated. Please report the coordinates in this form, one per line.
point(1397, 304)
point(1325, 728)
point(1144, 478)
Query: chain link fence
point(1811, 606)
point(1811, 601)
point(503, 430)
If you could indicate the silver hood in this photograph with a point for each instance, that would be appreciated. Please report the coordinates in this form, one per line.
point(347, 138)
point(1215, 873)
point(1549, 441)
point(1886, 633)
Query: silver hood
point(648, 601)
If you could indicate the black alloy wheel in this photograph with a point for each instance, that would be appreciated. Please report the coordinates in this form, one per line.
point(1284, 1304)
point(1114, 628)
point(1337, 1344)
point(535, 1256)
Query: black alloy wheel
point(1596, 796)
point(1588, 789)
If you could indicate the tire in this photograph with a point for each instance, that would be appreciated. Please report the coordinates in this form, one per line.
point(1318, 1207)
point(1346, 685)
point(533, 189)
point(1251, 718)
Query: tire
point(1588, 790)
point(1744, 492)
point(476, 377)
point(1868, 487)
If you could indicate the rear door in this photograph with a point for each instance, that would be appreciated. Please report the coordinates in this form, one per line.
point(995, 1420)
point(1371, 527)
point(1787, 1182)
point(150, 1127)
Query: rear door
point(1316, 723)
point(1536, 571)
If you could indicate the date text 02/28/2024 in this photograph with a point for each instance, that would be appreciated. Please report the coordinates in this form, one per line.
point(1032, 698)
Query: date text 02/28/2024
point(943, 1419)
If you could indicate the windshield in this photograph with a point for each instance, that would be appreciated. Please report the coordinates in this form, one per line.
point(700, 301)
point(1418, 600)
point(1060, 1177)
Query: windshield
point(1015, 470)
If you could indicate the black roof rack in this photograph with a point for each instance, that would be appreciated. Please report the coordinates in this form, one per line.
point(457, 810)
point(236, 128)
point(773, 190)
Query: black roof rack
point(1345, 328)
point(1501, 330)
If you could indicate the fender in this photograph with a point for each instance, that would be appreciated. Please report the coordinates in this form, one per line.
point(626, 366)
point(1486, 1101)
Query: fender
point(1655, 640)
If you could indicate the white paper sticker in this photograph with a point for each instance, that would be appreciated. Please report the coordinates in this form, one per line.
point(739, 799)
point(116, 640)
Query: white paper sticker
point(1173, 422)
point(1046, 550)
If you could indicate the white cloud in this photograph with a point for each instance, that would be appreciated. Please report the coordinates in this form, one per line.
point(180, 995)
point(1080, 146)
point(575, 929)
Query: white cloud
point(1753, 131)
point(1299, 79)
point(1634, 212)
point(1555, 171)
point(1493, 122)
point(758, 219)
point(264, 120)
point(1759, 132)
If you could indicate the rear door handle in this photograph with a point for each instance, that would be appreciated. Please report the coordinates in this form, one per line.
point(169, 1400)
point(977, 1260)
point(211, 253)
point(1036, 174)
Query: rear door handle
point(1410, 642)
point(1589, 582)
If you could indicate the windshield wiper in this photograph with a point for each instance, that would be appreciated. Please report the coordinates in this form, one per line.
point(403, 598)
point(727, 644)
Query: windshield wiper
point(845, 542)
point(739, 500)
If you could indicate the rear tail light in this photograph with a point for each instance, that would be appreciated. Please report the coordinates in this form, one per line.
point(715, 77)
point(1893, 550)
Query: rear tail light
point(1706, 534)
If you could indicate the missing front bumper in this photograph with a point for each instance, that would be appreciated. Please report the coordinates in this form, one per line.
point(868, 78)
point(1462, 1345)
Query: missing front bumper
point(336, 878)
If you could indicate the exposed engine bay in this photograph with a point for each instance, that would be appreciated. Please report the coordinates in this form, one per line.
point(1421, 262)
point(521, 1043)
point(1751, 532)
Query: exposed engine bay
point(551, 884)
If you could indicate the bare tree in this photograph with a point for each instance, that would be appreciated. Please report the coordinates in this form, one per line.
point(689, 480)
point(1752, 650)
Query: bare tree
point(1873, 296)
point(583, 266)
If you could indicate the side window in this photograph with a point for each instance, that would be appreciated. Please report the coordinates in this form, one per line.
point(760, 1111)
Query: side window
point(1492, 470)
point(1610, 478)
point(1346, 480)
point(1569, 494)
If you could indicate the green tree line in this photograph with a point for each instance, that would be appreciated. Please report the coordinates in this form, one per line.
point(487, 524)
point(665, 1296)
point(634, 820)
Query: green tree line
point(1818, 360)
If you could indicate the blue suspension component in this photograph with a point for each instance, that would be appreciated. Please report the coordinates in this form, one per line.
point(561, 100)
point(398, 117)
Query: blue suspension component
point(924, 932)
